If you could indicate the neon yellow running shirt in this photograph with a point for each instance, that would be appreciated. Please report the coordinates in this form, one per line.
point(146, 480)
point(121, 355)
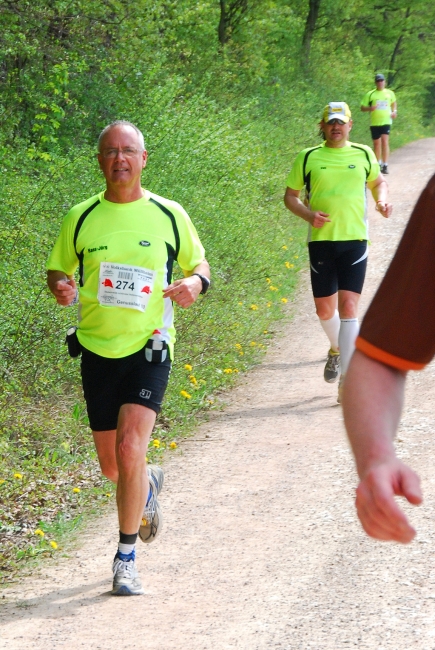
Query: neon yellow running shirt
point(382, 99)
point(335, 180)
point(122, 243)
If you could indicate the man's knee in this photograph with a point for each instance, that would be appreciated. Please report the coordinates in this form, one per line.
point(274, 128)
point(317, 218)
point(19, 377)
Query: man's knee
point(349, 307)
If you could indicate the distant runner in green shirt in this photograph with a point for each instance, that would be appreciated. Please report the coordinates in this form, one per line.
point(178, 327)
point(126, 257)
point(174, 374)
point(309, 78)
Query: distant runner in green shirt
point(382, 105)
point(124, 241)
point(335, 174)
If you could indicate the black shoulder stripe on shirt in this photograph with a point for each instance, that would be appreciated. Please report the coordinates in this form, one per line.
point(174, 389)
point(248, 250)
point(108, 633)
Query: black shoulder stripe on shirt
point(174, 224)
point(370, 96)
point(354, 146)
point(76, 234)
point(304, 168)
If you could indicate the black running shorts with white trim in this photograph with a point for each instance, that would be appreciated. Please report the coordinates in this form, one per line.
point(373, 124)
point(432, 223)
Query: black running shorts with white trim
point(337, 266)
point(377, 131)
point(110, 383)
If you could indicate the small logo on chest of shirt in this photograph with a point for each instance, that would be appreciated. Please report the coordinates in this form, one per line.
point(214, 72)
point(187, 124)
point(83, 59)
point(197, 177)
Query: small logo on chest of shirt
point(98, 248)
point(351, 166)
point(144, 243)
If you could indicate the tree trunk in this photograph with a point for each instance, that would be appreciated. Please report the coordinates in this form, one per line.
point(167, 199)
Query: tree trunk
point(230, 17)
point(310, 27)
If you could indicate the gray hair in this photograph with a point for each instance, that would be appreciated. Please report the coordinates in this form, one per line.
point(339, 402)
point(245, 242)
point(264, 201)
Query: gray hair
point(121, 123)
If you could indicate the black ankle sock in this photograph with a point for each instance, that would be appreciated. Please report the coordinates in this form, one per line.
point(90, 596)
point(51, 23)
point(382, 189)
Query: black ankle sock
point(127, 539)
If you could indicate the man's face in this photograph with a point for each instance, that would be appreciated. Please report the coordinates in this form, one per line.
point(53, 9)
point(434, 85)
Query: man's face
point(121, 156)
point(336, 132)
point(380, 85)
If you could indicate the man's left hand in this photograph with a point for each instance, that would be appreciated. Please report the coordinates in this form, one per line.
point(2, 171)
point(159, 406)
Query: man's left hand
point(184, 292)
point(384, 208)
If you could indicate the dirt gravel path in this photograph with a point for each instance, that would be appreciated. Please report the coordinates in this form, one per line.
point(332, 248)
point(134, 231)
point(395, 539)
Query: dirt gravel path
point(261, 547)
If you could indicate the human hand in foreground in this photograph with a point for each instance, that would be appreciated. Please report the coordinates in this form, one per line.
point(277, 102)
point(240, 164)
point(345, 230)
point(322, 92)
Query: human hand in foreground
point(384, 208)
point(184, 292)
point(318, 219)
point(377, 509)
point(65, 291)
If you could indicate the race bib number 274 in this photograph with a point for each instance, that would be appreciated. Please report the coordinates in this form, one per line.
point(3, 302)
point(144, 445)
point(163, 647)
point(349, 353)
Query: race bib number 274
point(126, 286)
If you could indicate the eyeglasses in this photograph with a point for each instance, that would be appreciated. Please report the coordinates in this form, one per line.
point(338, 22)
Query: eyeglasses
point(335, 121)
point(128, 152)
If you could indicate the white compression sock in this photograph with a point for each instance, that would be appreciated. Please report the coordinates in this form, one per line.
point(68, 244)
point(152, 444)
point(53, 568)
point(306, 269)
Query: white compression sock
point(349, 329)
point(331, 328)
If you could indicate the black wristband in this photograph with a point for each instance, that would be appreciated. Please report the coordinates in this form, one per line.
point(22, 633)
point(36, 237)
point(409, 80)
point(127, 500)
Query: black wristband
point(205, 282)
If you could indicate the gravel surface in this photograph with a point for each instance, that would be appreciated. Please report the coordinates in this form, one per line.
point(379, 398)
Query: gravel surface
point(261, 547)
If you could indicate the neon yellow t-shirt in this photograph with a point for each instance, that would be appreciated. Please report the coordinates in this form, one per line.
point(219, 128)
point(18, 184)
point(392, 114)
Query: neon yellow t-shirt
point(335, 180)
point(136, 235)
point(382, 99)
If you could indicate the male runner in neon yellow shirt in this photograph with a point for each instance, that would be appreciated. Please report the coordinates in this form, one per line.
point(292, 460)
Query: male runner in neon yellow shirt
point(124, 242)
point(335, 175)
point(382, 105)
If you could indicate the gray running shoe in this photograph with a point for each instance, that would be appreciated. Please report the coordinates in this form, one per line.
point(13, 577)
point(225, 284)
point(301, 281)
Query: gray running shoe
point(332, 367)
point(384, 169)
point(126, 581)
point(152, 520)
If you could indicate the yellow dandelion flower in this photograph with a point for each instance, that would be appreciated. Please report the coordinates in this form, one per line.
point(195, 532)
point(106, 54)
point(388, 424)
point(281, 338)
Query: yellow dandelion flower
point(284, 248)
point(18, 475)
point(265, 332)
point(241, 353)
point(296, 257)
point(185, 394)
point(156, 443)
point(2, 480)
point(268, 280)
point(291, 266)
point(272, 288)
point(284, 300)
point(76, 490)
point(253, 307)
point(53, 544)
point(269, 304)
point(193, 380)
point(240, 303)
point(187, 367)
point(287, 265)
point(228, 371)
point(39, 532)
point(108, 494)
point(238, 346)
point(173, 445)
point(252, 343)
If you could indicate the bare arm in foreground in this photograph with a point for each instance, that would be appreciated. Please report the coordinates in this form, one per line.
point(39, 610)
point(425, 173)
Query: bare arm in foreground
point(372, 404)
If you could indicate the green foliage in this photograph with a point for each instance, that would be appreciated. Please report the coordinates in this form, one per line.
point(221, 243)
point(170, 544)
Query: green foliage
point(222, 127)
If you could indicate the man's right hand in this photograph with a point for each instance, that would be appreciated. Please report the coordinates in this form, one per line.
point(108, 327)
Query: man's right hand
point(318, 219)
point(64, 291)
point(376, 506)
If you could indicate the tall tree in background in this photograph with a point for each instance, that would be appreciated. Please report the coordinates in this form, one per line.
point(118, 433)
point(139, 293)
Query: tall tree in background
point(230, 17)
point(310, 27)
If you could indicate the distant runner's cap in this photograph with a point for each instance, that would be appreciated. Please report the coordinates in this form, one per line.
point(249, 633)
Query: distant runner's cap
point(336, 111)
point(379, 77)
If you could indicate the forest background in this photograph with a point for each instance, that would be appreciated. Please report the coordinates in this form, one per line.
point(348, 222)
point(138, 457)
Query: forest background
point(226, 93)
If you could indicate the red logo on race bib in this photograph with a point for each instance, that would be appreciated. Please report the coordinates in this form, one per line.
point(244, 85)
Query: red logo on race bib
point(107, 283)
point(146, 289)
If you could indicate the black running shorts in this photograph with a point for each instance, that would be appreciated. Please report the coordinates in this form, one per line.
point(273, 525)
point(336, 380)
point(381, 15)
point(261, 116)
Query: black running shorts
point(337, 265)
point(377, 131)
point(110, 383)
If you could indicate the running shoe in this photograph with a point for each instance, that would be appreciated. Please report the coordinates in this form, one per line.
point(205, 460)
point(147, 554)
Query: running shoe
point(332, 367)
point(126, 581)
point(340, 389)
point(152, 520)
point(384, 169)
